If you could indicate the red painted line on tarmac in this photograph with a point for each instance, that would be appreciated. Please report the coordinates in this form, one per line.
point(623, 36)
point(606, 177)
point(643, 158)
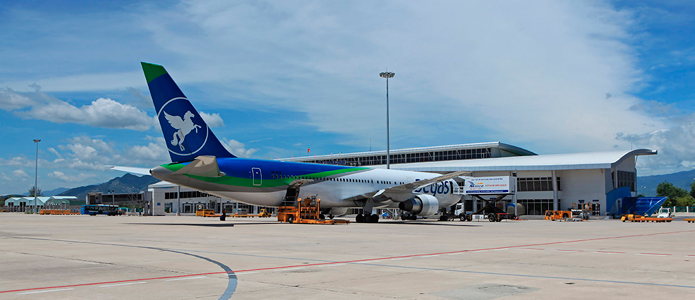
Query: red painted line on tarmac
point(350, 261)
point(657, 254)
point(611, 252)
point(539, 249)
point(564, 250)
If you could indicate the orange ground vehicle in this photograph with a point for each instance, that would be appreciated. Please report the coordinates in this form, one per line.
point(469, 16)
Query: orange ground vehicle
point(307, 211)
point(638, 218)
point(554, 215)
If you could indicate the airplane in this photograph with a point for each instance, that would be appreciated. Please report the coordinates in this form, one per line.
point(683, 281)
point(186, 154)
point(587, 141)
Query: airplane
point(201, 162)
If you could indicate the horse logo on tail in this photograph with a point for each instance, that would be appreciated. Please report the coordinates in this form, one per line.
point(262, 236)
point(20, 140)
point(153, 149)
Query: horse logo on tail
point(184, 126)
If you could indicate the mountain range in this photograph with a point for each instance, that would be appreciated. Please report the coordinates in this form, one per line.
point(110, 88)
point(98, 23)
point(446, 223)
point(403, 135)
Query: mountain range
point(127, 183)
point(646, 185)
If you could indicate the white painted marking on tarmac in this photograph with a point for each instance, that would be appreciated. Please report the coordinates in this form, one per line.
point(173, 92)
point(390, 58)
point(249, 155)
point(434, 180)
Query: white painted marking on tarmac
point(604, 252)
point(185, 278)
point(291, 269)
point(364, 262)
point(457, 253)
point(333, 265)
point(253, 272)
point(47, 291)
point(402, 258)
point(430, 255)
point(122, 284)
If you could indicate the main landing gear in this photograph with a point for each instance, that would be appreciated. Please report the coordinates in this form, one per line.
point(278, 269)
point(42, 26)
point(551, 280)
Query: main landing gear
point(367, 218)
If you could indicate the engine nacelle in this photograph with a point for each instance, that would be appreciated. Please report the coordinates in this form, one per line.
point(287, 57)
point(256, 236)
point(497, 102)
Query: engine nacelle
point(422, 205)
point(339, 211)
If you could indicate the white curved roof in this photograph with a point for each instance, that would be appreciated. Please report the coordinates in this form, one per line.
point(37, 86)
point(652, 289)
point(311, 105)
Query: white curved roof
point(573, 161)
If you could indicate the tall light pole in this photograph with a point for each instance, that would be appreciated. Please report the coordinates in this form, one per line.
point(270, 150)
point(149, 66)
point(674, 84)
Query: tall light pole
point(113, 197)
point(387, 75)
point(36, 176)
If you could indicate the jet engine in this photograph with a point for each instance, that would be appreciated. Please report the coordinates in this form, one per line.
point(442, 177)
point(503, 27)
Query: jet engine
point(339, 211)
point(422, 205)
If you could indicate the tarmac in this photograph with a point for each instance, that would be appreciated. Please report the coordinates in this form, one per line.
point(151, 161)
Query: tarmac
point(186, 257)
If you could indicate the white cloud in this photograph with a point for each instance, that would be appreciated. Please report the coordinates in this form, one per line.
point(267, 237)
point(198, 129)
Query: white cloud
point(100, 113)
point(213, 120)
point(20, 174)
point(10, 100)
point(238, 149)
point(154, 153)
point(675, 145)
point(534, 72)
point(59, 175)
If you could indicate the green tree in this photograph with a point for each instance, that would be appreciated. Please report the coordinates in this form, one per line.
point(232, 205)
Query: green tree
point(31, 192)
point(672, 192)
point(692, 189)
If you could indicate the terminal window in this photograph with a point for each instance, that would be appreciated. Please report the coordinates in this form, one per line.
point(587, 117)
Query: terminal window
point(537, 184)
point(627, 179)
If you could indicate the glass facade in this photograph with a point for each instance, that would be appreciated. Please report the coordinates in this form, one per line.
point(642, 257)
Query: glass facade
point(625, 178)
point(401, 158)
point(536, 206)
point(537, 184)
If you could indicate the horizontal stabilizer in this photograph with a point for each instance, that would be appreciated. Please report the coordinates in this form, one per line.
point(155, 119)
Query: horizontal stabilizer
point(205, 166)
point(132, 170)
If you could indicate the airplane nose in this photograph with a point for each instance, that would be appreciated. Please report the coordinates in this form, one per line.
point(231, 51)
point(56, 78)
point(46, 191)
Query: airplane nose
point(160, 172)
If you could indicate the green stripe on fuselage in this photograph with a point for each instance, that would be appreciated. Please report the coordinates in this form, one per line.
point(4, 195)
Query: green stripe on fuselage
point(248, 182)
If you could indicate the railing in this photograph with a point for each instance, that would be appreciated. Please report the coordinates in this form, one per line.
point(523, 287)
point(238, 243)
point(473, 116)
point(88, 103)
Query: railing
point(685, 209)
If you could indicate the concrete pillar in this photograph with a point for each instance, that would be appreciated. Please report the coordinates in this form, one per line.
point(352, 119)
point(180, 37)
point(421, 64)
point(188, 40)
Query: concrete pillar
point(556, 203)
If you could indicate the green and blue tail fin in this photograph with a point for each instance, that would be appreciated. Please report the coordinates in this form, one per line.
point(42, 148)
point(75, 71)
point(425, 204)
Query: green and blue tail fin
point(186, 133)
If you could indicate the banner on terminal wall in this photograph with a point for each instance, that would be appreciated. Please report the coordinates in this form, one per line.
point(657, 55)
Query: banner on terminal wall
point(488, 185)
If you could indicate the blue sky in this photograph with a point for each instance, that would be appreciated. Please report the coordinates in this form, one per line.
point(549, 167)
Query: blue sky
point(278, 77)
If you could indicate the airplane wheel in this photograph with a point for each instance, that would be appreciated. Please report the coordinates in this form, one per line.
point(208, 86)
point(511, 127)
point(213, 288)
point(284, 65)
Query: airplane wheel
point(374, 219)
point(359, 218)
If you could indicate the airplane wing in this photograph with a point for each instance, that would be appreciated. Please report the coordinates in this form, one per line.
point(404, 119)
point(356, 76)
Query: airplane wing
point(132, 170)
point(408, 187)
point(175, 121)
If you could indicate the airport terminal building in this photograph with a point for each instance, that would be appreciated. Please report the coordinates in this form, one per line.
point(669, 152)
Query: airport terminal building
point(543, 182)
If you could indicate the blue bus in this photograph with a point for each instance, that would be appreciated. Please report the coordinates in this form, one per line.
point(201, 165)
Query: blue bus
point(99, 209)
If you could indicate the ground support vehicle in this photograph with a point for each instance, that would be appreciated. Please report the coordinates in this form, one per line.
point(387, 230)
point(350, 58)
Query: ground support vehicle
point(556, 215)
point(56, 212)
point(638, 218)
point(498, 217)
point(493, 213)
point(580, 215)
point(690, 220)
point(307, 211)
point(99, 209)
point(262, 214)
point(664, 213)
point(205, 213)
